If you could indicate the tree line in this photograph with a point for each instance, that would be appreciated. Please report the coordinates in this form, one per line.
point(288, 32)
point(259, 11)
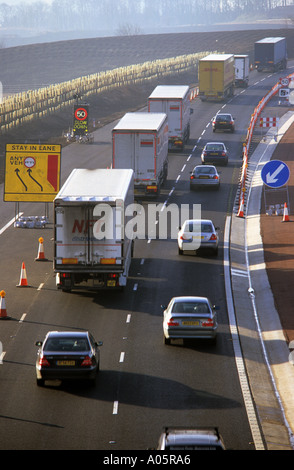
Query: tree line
point(129, 16)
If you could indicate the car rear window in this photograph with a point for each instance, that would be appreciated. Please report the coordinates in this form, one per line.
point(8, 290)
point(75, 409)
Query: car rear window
point(66, 344)
point(198, 227)
point(223, 117)
point(190, 307)
point(215, 147)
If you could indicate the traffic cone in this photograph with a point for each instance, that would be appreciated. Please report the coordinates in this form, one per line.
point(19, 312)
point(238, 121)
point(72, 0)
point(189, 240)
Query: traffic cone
point(3, 313)
point(286, 214)
point(23, 282)
point(41, 254)
point(241, 208)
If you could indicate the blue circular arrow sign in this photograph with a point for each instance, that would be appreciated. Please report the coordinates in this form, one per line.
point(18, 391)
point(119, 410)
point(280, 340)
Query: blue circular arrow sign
point(275, 173)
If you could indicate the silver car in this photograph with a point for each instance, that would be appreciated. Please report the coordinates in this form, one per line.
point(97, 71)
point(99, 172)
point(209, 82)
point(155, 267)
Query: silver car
point(204, 177)
point(181, 438)
point(189, 317)
point(196, 234)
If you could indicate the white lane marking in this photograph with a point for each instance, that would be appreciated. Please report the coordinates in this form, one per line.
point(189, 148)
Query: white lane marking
point(129, 316)
point(135, 286)
point(115, 408)
point(250, 409)
point(142, 261)
point(178, 178)
point(171, 191)
point(40, 286)
point(22, 317)
point(2, 230)
point(183, 168)
point(2, 357)
point(188, 159)
point(122, 357)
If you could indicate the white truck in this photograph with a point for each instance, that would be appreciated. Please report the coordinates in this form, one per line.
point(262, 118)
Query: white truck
point(242, 70)
point(140, 142)
point(91, 249)
point(174, 101)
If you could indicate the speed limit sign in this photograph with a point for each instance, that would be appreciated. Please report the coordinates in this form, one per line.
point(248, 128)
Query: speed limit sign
point(81, 114)
point(284, 81)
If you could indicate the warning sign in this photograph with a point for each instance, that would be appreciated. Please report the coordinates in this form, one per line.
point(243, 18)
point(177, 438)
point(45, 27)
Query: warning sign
point(32, 172)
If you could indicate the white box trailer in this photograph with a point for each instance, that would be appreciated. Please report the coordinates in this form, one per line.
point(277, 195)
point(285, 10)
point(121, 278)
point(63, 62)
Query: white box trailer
point(241, 70)
point(91, 247)
point(140, 142)
point(174, 101)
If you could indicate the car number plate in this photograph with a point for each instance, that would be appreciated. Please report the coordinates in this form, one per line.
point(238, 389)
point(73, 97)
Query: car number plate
point(66, 363)
point(203, 177)
point(214, 153)
point(190, 323)
point(198, 237)
point(111, 283)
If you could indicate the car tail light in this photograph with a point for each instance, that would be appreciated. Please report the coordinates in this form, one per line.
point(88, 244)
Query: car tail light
point(208, 323)
point(192, 177)
point(223, 154)
point(87, 362)
point(232, 122)
point(43, 362)
point(215, 177)
point(213, 237)
point(172, 322)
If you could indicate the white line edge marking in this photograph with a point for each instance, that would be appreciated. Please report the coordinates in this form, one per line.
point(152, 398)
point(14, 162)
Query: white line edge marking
point(40, 286)
point(22, 317)
point(2, 230)
point(251, 414)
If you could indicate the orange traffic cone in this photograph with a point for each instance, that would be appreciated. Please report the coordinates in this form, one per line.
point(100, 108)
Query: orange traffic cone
point(23, 282)
point(241, 208)
point(3, 313)
point(286, 214)
point(41, 254)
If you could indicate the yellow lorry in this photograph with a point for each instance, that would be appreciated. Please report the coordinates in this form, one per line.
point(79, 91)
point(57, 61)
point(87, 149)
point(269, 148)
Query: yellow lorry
point(216, 77)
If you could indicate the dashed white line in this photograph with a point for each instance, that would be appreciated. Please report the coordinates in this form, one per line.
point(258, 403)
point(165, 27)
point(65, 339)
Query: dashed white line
point(2, 357)
point(188, 159)
point(129, 316)
point(22, 317)
point(115, 408)
point(178, 178)
point(40, 286)
point(142, 261)
point(183, 169)
point(122, 357)
point(136, 285)
point(171, 191)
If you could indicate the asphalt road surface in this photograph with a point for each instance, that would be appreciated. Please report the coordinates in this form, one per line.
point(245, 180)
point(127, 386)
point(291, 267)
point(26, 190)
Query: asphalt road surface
point(143, 384)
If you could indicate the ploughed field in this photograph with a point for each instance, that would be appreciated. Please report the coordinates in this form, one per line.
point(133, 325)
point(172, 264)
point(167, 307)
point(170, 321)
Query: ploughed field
point(34, 66)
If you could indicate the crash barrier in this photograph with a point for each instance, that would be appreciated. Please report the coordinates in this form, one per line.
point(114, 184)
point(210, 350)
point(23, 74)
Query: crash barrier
point(241, 202)
point(35, 104)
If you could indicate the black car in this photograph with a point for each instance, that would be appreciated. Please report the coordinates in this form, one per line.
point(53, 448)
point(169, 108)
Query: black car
point(67, 355)
point(214, 152)
point(223, 122)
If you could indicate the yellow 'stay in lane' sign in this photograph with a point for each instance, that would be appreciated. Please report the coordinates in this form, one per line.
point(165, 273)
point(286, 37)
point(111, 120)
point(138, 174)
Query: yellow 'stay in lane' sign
point(32, 172)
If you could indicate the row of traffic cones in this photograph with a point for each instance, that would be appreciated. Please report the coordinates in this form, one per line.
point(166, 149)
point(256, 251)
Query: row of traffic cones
point(286, 217)
point(23, 281)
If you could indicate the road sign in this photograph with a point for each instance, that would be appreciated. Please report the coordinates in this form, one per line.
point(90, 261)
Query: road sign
point(81, 117)
point(284, 92)
point(32, 172)
point(275, 174)
point(284, 81)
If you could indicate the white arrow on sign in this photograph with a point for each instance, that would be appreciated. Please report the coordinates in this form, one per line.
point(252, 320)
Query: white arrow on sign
point(270, 179)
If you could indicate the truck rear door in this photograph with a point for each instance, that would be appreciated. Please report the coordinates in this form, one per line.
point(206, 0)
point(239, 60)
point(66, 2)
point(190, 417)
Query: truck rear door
point(77, 243)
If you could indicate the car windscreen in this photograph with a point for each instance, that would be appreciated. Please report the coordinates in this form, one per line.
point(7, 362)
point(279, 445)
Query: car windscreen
point(215, 147)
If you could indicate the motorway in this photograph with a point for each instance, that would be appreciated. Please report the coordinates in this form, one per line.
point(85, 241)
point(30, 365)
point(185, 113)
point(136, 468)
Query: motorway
point(143, 384)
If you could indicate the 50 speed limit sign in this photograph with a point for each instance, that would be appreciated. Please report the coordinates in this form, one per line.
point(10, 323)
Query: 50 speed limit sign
point(81, 114)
